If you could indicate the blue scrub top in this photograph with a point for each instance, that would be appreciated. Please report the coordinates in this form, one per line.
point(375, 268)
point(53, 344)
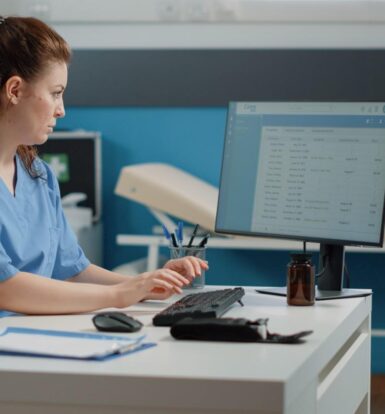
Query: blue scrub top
point(34, 234)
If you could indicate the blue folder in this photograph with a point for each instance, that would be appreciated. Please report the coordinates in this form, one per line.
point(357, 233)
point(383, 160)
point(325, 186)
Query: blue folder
point(67, 344)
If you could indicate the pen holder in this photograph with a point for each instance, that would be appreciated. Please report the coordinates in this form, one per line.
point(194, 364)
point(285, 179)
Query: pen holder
point(177, 252)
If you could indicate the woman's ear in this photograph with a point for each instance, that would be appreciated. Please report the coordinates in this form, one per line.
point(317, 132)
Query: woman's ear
point(13, 89)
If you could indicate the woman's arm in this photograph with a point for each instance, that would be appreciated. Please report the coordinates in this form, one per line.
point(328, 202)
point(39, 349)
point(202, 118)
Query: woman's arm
point(32, 294)
point(99, 276)
point(182, 270)
point(97, 288)
point(188, 266)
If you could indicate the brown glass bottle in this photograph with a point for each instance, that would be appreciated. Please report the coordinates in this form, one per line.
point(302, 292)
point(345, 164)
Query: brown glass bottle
point(300, 280)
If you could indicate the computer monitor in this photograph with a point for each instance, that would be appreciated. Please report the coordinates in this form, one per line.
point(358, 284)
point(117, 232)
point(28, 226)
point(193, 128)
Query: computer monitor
point(308, 171)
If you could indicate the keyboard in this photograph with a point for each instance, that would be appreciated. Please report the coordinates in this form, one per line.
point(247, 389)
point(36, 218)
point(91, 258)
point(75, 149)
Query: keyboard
point(210, 304)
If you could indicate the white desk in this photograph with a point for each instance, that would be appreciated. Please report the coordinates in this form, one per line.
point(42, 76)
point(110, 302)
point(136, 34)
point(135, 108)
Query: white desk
point(330, 373)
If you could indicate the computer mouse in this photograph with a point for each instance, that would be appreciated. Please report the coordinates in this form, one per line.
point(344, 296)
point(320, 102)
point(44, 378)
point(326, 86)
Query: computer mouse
point(116, 322)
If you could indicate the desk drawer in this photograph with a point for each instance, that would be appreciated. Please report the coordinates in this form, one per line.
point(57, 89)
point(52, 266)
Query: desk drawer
point(345, 381)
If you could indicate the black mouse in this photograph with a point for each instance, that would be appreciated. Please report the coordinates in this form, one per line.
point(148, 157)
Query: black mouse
point(116, 322)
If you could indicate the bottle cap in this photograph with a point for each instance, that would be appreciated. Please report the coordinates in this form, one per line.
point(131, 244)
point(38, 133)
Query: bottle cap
point(301, 257)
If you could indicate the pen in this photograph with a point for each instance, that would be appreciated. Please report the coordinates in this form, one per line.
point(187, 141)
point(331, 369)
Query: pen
point(179, 232)
point(166, 232)
point(173, 238)
point(194, 233)
point(204, 240)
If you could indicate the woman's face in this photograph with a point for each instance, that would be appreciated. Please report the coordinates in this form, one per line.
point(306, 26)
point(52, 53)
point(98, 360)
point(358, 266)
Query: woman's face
point(40, 104)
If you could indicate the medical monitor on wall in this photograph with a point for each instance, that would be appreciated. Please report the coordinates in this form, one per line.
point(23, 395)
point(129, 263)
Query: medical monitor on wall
point(307, 171)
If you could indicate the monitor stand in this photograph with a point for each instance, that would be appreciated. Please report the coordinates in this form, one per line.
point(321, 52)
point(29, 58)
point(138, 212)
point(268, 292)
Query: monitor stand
point(329, 286)
point(319, 294)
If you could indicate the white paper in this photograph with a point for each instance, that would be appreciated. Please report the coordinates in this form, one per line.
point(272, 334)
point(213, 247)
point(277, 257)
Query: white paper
point(65, 346)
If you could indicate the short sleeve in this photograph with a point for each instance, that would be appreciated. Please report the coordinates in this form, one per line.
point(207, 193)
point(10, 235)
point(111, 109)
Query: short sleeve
point(7, 270)
point(70, 258)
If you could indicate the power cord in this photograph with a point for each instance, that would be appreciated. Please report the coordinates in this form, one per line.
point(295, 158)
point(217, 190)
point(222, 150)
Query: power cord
point(324, 260)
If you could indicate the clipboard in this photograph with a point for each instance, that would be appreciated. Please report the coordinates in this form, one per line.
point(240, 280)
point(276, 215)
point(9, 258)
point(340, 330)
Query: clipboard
point(68, 345)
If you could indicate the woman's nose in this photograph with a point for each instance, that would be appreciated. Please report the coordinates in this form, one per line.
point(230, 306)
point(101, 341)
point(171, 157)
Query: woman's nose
point(60, 111)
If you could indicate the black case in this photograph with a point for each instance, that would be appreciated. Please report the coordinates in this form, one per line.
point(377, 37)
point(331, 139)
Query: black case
point(232, 330)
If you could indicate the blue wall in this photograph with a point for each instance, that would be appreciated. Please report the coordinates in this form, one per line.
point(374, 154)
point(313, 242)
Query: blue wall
point(187, 138)
point(191, 139)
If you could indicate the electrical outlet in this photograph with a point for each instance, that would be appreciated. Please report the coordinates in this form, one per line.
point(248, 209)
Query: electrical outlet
point(196, 10)
point(40, 9)
point(225, 10)
point(169, 10)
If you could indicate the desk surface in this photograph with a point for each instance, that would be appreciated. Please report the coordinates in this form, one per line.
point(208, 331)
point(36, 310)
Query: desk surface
point(189, 375)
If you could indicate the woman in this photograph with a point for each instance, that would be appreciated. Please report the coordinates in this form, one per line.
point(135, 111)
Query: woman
point(42, 268)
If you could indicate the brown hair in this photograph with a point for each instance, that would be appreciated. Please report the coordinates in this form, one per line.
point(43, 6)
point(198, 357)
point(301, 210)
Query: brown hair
point(27, 45)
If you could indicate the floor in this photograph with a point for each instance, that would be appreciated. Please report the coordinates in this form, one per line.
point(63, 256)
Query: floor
point(378, 394)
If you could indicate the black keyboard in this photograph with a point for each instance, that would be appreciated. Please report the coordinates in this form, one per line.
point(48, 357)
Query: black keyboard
point(210, 304)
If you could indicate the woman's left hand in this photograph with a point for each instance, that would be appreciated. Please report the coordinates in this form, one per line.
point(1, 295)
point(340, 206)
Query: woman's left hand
point(188, 266)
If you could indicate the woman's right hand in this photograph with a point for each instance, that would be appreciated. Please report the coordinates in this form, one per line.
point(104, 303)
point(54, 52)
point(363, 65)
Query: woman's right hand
point(159, 284)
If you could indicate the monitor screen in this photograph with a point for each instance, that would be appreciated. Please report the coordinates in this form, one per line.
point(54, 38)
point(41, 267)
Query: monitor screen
point(309, 171)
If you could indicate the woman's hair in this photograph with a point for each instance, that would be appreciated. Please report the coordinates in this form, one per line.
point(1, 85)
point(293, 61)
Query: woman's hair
point(27, 45)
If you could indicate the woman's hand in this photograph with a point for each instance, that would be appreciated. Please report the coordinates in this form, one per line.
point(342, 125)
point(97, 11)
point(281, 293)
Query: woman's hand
point(159, 284)
point(188, 266)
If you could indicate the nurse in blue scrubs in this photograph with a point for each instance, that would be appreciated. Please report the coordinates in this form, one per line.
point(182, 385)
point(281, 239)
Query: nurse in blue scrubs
point(43, 270)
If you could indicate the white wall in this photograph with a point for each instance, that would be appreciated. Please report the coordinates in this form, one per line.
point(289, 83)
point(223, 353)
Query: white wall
point(214, 11)
point(225, 36)
point(211, 23)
